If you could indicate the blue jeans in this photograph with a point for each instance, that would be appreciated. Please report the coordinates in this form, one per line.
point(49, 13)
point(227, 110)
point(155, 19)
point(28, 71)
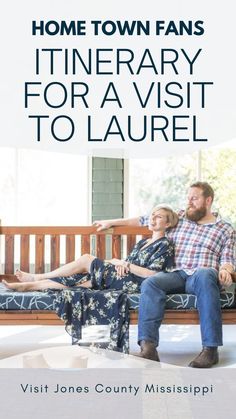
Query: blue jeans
point(203, 283)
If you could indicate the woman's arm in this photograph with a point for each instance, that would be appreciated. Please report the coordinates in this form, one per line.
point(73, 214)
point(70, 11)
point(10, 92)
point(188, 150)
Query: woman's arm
point(138, 270)
point(132, 268)
point(162, 259)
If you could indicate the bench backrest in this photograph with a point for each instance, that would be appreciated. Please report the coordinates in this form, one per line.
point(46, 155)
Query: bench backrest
point(46, 248)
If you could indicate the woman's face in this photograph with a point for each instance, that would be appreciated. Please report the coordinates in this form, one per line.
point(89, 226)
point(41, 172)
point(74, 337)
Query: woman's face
point(158, 220)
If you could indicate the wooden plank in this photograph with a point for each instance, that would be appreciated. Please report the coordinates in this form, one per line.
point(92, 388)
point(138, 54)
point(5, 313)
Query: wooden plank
point(85, 244)
point(48, 317)
point(76, 230)
point(228, 314)
point(38, 317)
point(181, 317)
point(24, 253)
point(9, 254)
point(70, 248)
point(31, 322)
point(8, 277)
point(187, 317)
point(101, 247)
point(131, 241)
point(20, 314)
point(137, 230)
point(39, 253)
point(55, 252)
point(29, 317)
point(116, 246)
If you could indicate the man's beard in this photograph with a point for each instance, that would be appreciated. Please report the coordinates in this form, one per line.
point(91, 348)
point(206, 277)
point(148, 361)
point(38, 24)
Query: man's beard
point(196, 214)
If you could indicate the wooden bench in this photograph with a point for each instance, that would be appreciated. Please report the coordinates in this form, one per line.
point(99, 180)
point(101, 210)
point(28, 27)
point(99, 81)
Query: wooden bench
point(53, 246)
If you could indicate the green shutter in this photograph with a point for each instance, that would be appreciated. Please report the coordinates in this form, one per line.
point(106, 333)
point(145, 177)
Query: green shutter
point(107, 188)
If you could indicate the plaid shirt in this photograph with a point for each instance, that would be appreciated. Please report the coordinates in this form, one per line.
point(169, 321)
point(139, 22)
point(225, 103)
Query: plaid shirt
point(201, 245)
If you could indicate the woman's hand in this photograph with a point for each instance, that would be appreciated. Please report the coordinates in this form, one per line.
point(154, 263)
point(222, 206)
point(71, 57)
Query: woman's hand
point(121, 270)
point(120, 266)
point(116, 262)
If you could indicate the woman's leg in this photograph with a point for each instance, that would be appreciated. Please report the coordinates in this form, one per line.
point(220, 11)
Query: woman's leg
point(33, 286)
point(80, 265)
point(39, 285)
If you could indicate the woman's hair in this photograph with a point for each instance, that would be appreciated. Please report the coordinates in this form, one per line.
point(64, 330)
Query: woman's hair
point(171, 215)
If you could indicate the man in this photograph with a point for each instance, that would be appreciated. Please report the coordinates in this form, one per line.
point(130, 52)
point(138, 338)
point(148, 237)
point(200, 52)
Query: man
point(204, 261)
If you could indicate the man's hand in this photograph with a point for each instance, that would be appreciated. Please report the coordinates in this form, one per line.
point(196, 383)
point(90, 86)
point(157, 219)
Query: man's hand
point(225, 278)
point(102, 224)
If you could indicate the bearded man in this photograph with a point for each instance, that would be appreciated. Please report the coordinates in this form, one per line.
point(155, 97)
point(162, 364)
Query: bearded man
point(204, 261)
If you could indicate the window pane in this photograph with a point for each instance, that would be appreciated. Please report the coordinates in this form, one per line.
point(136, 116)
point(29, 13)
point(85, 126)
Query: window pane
point(219, 168)
point(8, 192)
point(156, 181)
point(43, 188)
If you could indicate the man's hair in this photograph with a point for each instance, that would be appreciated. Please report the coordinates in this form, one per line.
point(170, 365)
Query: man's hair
point(205, 187)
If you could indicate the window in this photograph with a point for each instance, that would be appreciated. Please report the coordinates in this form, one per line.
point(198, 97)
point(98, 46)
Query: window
point(218, 167)
point(156, 181)
point(166, 180)
point(43, 188)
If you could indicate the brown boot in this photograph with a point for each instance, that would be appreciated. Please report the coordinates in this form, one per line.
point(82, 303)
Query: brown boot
point(148, 351)
point(208, 357)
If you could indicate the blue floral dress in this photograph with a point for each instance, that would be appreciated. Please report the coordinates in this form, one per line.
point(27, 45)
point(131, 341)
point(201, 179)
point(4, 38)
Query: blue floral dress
point(157, 256)
point(106, 302)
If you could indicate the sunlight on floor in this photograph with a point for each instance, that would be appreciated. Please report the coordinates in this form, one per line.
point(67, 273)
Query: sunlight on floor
point(179, 344)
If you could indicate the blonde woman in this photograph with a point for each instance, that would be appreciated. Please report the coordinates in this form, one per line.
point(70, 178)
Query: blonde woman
point(147, 257)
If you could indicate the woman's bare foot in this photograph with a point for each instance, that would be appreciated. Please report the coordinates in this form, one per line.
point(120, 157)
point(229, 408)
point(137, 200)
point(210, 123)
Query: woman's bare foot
point(24, 276)
point(17, 286)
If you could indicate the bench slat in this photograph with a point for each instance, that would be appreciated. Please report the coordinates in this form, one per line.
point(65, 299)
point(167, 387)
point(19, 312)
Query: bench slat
point(116, 246)
point(101, 247)
point(24, 253)
point(70, 248)
point(131, 241)
point(39, 253)
point(85, 244)
point(9, 253)
point(55, 252)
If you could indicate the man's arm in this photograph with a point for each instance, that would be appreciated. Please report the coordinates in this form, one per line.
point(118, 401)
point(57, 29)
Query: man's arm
point(227, 260)
point(104, 224)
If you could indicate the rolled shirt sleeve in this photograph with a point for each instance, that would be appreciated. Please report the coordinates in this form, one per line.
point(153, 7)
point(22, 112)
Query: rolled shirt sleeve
point(143, 220)
point(228, 251)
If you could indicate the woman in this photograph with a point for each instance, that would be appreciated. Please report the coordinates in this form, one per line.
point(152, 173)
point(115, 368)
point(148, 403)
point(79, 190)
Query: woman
point(147, 257)
point(80, 305)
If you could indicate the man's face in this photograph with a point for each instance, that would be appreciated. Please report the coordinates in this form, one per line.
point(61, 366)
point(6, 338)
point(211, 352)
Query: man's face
point(196, 204)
